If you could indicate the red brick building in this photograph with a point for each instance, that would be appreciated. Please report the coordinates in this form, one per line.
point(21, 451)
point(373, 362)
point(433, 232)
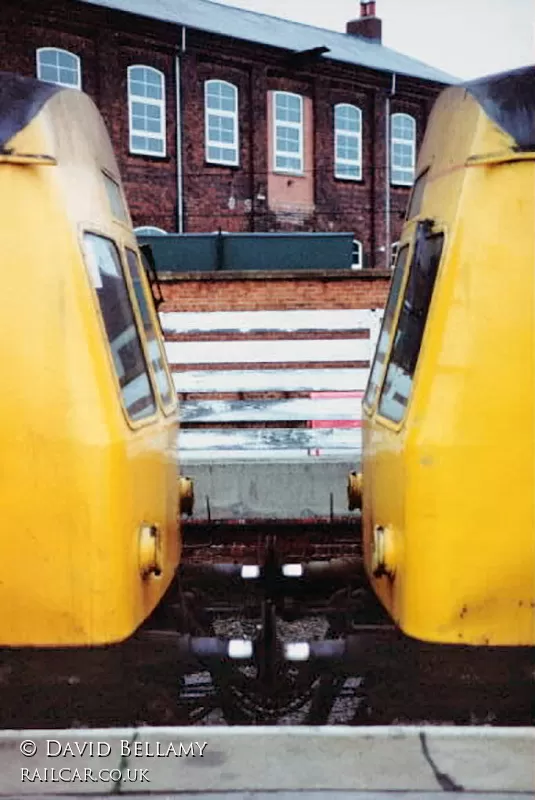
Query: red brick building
point(224, 118)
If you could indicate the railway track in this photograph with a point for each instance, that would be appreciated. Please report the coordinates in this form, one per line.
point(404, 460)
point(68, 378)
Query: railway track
point(324, 652)
point(125, 694)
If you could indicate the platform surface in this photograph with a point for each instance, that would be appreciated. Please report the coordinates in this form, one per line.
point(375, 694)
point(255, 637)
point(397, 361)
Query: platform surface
point(283, 760)
point(274, 489)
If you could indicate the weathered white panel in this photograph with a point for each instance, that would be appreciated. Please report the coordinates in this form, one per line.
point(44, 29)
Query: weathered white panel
point(279, 380)
point(270, 439)
point(273, 351)
point(292, 320)
point(297, 409)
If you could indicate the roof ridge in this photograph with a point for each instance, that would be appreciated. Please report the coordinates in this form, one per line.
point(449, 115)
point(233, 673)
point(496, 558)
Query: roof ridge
point(259, 27)
point(347, 36)
point(275, 16)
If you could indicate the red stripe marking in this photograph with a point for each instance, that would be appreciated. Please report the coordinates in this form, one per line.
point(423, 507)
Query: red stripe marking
point(335, 423)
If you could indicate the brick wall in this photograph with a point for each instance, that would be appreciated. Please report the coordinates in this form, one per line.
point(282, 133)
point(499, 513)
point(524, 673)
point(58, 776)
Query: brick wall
point(108, 42)
point(215, 292)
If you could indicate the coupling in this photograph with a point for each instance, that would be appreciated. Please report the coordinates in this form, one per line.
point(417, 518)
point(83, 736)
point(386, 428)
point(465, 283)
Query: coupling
point(354, 491)
point(186, 495)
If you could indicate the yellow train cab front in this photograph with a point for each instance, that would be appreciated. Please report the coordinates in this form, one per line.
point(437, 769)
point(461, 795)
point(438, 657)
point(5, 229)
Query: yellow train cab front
point(449, 413)
point(88, 422)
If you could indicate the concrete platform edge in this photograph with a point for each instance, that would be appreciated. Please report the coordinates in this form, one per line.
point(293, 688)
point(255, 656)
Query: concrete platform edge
point(284, 759)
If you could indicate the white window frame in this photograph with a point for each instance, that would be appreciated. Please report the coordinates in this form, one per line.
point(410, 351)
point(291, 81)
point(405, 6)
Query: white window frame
point(151, 101)
point(405, 142)
point(76, 58)
point(394, 248)
point(357, 134)
point(150, 230)
point(357, 244)
point(221, 113)
point(285, 124)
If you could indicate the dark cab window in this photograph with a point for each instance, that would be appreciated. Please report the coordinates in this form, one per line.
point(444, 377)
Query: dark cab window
point(386, 328)
point(153, 341)
point(106, 274)
point(411, 323)
point(114, 196)
point(415, 202)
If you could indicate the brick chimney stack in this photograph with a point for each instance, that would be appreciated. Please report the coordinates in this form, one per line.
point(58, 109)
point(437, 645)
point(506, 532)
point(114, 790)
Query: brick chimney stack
point(368, 26)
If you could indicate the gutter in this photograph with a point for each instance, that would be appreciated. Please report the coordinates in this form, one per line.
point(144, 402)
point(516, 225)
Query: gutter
point(388, 243)
point(179, 164)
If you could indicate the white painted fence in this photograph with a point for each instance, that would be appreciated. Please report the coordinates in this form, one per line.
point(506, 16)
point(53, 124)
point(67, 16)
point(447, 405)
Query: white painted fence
point(316, 409)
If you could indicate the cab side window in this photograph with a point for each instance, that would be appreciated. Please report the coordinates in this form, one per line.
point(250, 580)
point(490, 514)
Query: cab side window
point(104, 266)
point(386, 328)
point(155, 350)
point(411, 324)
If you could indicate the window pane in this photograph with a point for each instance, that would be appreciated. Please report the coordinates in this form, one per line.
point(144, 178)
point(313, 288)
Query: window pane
point(384, 337)
point(66, 60)
point(49, 74)
point(403, 127)
point(147, 118)
point(221, 96)
point(223, 154)
point(153, 125)
point(58, 67)
point(156, 356)
point(345, 170)
point(220, 129)
point(402, 176)
point(104, 267)
point(68, 77)
point(221, 102)
point(146, 104)
point(154, 92)
point(411, 325)
point(137, 88)
point(155, 145)
point(144, 82)
point(289, 163)
point(114, 196)
point(288, 139)
point(347, 118)
point(153, 78)
point(287, 108)
point(50, 57)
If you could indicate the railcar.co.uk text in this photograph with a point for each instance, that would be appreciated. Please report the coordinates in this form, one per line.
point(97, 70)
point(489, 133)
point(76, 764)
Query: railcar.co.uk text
point(124, 748)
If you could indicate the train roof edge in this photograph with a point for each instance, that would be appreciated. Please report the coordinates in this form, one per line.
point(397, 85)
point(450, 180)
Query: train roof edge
point(508, 99)
point(21, 99)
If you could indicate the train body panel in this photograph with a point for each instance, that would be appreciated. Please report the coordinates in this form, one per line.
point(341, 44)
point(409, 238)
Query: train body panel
point(449, 423)
point(89, 490)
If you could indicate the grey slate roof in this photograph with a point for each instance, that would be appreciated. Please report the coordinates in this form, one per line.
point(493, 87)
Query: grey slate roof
point(294, 36)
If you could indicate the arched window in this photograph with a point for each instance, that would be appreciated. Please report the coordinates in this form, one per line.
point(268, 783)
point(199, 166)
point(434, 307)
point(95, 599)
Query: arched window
point(149, 230)
point(59, 66)
point(347, 142)
point(288, 132)
point(356, 261)
point(221, 122)
point(403, 149)
point(146, 110)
